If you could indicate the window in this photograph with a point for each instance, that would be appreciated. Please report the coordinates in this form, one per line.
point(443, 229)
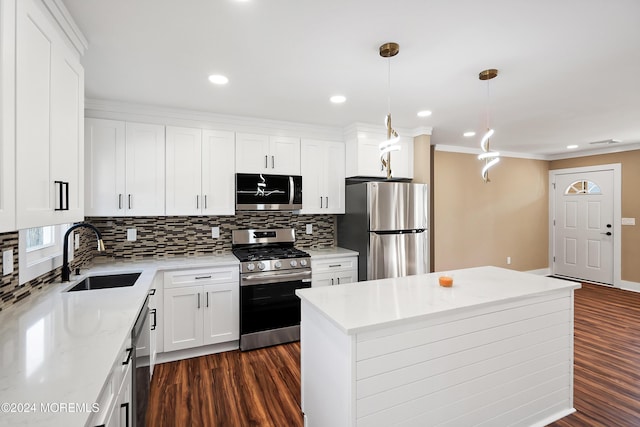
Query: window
point(40, 250)
point(583, 187)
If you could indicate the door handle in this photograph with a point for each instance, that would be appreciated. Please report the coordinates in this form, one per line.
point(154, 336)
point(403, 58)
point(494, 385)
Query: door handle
point(608, 233)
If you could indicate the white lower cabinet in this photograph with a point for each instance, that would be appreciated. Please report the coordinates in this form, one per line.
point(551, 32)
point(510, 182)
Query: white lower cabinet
point(201, 307)
point(114, 402)
point(334, 271)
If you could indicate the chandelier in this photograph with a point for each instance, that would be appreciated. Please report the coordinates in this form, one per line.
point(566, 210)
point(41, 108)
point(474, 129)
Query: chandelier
point(490, 158)
point(389, 50)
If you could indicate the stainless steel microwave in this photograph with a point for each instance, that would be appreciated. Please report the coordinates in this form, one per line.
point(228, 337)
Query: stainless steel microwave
point(262, 192)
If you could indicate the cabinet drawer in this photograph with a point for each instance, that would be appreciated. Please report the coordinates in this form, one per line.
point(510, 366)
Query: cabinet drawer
point(209, 276)
point(334, 264)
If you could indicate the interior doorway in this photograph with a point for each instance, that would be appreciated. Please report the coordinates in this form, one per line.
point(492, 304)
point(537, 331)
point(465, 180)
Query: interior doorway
point(585, 223)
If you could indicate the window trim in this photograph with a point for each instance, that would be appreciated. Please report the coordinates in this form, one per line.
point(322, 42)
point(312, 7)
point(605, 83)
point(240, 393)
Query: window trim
point(41, 261)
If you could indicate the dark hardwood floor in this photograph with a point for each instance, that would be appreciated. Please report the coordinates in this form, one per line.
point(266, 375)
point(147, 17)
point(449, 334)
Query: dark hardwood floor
point(262, 387)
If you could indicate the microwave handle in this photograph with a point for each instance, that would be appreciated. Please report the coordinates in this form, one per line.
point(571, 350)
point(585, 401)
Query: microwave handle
point(291, 190)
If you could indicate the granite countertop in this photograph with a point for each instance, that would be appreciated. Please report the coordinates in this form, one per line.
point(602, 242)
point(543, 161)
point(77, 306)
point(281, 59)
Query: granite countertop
point(370, 305)
point(60, 347)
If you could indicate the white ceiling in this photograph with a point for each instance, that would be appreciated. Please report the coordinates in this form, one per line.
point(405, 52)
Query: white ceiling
point(569, 69)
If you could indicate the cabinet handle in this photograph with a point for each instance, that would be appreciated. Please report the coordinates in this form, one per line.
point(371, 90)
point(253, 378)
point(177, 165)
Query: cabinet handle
point(326, 205)
point(207, 299)
point(66, 191)
point(335, 265)
point(332, 281)
point(198, 300)
point(205, 201)
point(63, 198)
point(320, 202)
point(203, 277)
point(273, 162)
point(126, 412)
point(266, 165)
point(120, 201)
point(129, 197)
point(155, 319)
point(338, 279)
point(128, 359)
point(197, 202)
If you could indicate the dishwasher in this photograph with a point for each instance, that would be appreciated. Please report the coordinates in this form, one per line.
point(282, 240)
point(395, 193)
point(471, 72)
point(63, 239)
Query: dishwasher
point(141, 374)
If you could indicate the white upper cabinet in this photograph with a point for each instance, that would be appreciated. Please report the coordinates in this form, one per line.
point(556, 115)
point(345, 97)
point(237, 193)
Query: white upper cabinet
point(124, 168)
point(278, 155)
point(7, 117)
point(218, 173)
point(323, 174)
point(363, 155)
point(200, 172)
point(144, 169)
point(49, 126)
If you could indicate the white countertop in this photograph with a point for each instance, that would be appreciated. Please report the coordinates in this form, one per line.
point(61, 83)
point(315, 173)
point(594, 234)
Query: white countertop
point(59, 347)
point(327, 253)
point(362, 306)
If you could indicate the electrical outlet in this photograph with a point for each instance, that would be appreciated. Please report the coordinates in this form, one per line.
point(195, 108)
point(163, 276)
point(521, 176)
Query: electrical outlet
point(76, 241)
point(508, 260)
point(132, 234)
point(309, 229)
point(7, 262)
point(215, 232)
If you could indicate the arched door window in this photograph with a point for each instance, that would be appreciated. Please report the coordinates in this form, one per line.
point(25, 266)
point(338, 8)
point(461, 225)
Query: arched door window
point(583, 187)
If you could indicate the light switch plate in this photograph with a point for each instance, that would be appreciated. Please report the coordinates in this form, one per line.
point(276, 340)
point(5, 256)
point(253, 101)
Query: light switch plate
point(309, 229)
point(628, 221)
point(7, 262)
point(76, 241)
point(132, 234)
point(215, 232)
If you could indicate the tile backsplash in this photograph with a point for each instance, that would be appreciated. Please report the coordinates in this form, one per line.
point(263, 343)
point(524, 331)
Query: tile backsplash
point(162, 237)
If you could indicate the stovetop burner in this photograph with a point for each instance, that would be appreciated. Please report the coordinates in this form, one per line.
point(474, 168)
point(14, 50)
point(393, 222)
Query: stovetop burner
point(262, 253)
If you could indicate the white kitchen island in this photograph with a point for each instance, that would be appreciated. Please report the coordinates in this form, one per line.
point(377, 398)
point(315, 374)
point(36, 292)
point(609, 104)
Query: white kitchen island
point(496, 349)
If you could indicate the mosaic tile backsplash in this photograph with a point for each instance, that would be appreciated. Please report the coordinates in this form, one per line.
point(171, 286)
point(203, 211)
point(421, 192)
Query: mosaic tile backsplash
point(163, 237)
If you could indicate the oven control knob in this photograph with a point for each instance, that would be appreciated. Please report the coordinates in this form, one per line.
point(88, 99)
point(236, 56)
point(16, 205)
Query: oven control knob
point(251, 266)
point(277, 264)
point(261, 266)
point(293, 263)
point(303, 262)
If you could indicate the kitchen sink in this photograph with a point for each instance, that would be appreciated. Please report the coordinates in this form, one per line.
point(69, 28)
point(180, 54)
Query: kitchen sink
point(106, 281)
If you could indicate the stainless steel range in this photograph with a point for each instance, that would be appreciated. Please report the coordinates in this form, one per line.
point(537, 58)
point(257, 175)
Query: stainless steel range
point(271, 270)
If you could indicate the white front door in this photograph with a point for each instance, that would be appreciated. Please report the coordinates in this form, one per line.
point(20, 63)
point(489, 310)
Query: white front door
point(583, 226)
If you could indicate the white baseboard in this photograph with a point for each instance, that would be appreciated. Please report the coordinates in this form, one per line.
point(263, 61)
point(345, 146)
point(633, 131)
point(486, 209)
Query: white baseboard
point(630, 286)
point(540, 272)
point(188, 353)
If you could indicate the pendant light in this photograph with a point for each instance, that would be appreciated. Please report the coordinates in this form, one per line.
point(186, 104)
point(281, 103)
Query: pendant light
point(490, 158)
point(389, 50)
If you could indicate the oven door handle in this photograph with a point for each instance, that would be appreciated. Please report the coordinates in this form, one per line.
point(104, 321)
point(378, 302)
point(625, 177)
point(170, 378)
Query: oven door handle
point(262, 279)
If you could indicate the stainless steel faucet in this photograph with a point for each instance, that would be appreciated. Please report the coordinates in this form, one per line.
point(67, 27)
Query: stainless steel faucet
point(66, 271)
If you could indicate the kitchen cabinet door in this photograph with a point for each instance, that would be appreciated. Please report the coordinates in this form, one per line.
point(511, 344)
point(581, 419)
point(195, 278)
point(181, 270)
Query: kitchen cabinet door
point(284, 155)
point(221, 313)
point(344, 277)
point(183, 317)
point(184, 171)
point(321, 279)
point(7, 117)
point(323, 168)
point(49, 91)
point(252, 153)
point(218, 173)
point(104, 167)
point(144, 169)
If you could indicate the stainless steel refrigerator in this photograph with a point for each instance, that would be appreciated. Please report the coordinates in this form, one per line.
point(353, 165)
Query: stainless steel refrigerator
point(387, 223)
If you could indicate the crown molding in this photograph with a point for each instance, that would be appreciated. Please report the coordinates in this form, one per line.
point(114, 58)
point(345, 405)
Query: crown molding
point(117, 110)
point(476, 151)
point(64, 19)
point(612, 149)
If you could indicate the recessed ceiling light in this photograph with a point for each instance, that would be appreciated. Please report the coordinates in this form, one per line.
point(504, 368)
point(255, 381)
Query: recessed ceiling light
point(338, 99)
point(469, 134)
point(571, 147)
point(218, 79)
point(424, 113)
